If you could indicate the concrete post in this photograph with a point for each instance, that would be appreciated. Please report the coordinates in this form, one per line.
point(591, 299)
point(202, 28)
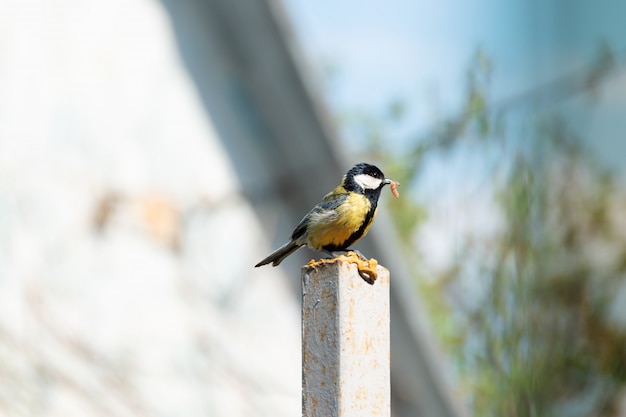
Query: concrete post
point(345, 342)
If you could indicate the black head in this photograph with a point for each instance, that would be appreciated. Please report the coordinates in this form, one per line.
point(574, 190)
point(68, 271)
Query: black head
point(364, 178)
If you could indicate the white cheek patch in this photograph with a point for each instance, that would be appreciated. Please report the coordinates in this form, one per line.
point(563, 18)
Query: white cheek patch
point(367, 181)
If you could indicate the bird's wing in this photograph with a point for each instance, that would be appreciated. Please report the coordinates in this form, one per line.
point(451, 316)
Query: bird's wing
point(325, 208)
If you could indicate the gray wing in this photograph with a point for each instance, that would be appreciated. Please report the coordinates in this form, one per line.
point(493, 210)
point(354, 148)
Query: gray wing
point(326, 207)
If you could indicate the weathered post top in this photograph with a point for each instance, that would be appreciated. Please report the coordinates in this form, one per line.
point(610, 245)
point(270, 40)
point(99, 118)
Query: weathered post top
point(345, 341)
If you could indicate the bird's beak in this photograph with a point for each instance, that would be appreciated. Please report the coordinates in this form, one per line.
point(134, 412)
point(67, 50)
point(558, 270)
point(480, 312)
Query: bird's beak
point(394, 186)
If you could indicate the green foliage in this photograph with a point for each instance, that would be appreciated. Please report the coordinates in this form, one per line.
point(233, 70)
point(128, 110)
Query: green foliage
point(543, 333)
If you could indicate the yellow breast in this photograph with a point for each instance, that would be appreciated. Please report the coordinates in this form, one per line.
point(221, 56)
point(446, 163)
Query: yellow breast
point(336, 228)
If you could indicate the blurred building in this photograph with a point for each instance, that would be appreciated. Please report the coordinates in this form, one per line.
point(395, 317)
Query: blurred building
point(150, 154)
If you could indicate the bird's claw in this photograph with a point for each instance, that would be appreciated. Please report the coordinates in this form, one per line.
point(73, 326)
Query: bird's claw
point(366, 267)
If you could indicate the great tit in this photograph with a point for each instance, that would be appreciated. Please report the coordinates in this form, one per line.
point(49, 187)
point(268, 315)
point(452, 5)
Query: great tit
point(342, 217)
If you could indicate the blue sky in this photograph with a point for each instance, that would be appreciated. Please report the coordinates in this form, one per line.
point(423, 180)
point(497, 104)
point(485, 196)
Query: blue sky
point(403, 48)
point(420, 50)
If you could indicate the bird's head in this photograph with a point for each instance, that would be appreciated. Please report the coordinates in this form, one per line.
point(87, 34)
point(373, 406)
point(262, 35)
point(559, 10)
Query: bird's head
point(364, 178)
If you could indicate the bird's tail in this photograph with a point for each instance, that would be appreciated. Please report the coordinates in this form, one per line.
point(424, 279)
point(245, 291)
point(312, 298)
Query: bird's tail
point(279, 254)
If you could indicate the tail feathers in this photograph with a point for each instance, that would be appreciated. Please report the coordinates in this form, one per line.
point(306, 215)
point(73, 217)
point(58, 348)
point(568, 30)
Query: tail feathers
point(279, 254)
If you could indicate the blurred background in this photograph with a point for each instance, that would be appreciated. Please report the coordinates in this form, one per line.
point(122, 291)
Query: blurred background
point(151, 152)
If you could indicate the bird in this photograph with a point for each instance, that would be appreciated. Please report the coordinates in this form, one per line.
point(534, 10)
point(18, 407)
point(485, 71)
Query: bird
point(343, 216)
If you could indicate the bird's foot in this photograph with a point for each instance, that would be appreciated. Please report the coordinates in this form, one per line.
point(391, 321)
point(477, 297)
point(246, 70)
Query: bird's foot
point(366, 267)
point(338, 253)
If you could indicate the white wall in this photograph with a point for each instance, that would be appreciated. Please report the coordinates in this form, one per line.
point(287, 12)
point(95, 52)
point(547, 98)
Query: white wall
point(126, 250)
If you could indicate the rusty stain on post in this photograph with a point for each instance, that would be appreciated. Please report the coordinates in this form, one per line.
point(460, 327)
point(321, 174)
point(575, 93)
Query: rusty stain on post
point(345, 342)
